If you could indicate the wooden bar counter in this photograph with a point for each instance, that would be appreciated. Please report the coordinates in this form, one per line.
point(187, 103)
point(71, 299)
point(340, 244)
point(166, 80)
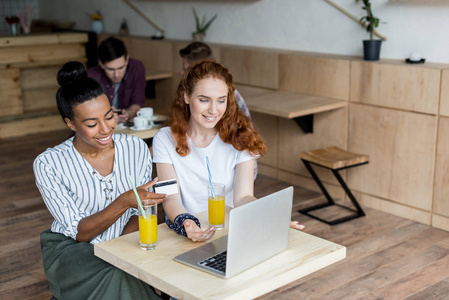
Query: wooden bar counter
point(28, 69)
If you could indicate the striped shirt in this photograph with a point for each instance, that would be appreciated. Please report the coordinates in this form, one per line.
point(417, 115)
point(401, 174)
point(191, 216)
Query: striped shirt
point(72, 189)
point(242, 104)
point(245, 111)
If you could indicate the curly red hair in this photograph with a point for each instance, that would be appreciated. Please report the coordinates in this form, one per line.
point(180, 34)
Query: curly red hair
point(234, 128)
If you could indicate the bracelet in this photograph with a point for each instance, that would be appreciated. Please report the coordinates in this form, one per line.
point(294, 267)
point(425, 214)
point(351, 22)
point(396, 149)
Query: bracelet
point(178, 224)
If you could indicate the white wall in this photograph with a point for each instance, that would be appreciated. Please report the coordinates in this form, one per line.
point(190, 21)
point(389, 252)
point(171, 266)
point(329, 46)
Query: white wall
point(305, 25)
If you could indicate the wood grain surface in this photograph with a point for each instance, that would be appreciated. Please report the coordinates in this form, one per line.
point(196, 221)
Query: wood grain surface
point(388, 257)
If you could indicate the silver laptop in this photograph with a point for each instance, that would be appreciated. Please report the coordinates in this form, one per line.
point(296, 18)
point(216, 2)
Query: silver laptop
point(257, 231)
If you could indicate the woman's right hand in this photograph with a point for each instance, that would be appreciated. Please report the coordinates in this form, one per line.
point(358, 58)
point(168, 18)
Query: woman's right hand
point(195, 233)
point(143, 194)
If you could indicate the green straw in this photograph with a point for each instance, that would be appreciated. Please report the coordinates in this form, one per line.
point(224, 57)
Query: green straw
point(137, 197)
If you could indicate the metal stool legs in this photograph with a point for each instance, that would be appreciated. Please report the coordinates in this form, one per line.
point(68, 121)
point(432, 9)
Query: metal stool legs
point(358, 212)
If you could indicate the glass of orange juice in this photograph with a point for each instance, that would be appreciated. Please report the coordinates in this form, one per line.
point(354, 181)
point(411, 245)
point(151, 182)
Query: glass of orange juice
point(148, 225)
point(216, 204)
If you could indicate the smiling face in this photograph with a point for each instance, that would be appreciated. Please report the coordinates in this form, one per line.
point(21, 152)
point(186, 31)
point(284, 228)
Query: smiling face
point(115, 69)
point(94, 124)
point(207, 103)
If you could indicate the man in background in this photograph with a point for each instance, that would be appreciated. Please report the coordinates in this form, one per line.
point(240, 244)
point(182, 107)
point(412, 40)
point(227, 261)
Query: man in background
point(198, 51)
point(122, 78)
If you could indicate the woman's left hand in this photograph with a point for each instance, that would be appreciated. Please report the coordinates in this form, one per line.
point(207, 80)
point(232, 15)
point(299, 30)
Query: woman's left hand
point(296, 225)
point(195, 233)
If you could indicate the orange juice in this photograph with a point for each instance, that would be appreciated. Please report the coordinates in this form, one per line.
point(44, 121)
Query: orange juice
point(148, 229)
point(216, 209)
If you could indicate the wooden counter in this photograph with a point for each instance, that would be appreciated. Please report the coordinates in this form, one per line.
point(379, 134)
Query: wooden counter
point(28, 69)
point(289, 105)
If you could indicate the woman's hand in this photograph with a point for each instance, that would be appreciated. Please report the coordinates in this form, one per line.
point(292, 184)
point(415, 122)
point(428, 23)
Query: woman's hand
point(195, 233)
point(296, 225)
point(143, 194)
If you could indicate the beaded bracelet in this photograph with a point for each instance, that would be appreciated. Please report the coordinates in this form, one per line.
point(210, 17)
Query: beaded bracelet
point(178, 224)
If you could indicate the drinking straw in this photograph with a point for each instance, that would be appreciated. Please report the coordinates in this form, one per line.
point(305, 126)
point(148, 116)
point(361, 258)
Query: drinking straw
point(137, 197)
point(210, 177)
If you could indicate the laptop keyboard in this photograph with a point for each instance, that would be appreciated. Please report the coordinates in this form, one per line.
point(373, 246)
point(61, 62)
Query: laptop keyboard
point(216, 262)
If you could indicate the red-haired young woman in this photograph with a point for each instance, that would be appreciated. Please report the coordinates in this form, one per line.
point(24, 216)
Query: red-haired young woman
point(205, 121)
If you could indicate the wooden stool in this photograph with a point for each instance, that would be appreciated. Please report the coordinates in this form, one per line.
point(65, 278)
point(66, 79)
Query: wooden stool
point(334, 159)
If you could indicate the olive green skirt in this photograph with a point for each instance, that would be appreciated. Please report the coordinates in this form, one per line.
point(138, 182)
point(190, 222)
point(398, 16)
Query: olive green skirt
point(74, 272)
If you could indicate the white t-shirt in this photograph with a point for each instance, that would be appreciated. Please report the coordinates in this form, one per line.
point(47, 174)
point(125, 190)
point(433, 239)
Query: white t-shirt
point(192, 169)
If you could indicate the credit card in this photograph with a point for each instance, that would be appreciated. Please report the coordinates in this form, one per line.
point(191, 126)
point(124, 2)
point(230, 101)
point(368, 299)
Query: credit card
point(168, 187)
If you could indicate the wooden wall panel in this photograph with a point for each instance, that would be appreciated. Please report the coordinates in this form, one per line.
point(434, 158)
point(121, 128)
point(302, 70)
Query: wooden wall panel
point(267, 170)
point(335, 190)
point(268, 127)
point(441, 194)
point(444, 96)
point(31, 54)
point(414, 88)
point(329, 129)
point(10, 93)
point(43, 39)
point(401, 147)
point(164, 96)
point(313, 75)
point(40, 99)
point(31, 125)
point(440, 222)
point(177, 60)
point(393, 208)
point(252, 67)
point(38, 78)
point(155, 55)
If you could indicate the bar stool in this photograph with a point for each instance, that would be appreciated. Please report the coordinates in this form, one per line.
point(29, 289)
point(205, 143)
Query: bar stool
point(334, 159)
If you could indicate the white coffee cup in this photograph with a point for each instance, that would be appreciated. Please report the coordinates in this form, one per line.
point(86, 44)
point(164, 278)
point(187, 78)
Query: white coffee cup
point(146, 112)
point(140, 122)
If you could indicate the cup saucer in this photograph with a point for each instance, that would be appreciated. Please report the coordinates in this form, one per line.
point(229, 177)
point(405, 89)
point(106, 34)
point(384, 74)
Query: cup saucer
point(141, 128)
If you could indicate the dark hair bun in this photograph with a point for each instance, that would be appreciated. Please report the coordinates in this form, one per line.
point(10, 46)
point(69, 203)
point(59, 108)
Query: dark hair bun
point(71, 72)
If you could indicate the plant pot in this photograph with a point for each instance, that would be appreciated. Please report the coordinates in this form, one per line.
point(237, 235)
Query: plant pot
point(97, 26)
point(13, 29)
point(198, 36)
point(371, 49)
point(124, 31)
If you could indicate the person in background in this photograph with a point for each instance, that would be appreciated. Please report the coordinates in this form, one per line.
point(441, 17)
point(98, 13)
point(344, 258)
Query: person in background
point(198, 51)
point(122, 77)
point(205, 120)
point(84, 184)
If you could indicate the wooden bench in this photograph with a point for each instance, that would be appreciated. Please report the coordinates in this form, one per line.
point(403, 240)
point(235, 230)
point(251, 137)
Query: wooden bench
point(334, 159)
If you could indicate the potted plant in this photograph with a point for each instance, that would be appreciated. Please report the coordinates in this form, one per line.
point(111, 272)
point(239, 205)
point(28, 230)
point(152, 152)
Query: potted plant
point(371, 47)
point(124, 28)
point(13, 21)
point(97, 22)
point(201, 26)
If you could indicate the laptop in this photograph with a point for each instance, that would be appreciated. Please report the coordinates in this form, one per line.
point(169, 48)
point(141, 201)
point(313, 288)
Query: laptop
point(257, 231)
